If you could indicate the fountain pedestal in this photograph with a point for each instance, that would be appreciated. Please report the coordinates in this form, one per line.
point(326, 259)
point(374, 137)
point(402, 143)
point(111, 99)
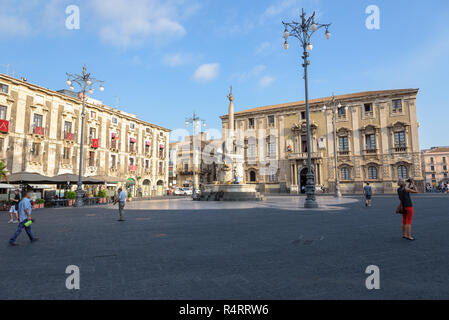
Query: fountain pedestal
point(231, 192)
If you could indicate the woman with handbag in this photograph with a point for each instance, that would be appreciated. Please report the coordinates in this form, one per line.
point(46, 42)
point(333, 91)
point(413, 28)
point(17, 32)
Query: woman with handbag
point(406, 207)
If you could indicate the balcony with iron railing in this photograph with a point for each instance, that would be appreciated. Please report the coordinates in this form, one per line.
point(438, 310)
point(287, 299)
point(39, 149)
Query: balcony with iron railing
point(66, 161)
point(395, 111)
point(132, 149)
point(344, 153)
point(95, 143)
point(401, 148)
point(371, 152)
point(35, 157)
point(303, 156)
point(38, 131)
point(68, 136)
point(368, 114)
point(4, 126)
point(114, 145)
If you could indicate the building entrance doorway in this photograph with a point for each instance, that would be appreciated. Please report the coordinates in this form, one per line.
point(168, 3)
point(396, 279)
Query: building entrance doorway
point(146, 188)
point(160, 188)
point(252, 176)
point(303, 180)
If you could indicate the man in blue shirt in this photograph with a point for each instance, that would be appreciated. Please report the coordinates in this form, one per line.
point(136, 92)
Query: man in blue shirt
point(121, 199)
point(368, 192)
point(24, 217)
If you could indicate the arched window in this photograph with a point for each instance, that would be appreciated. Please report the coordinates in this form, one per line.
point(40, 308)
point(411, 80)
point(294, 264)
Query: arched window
point(345, 173)
point(372, 173)
point(402, 172)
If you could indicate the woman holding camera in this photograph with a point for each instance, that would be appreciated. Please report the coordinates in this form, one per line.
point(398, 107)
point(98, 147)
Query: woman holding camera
point(407, 207)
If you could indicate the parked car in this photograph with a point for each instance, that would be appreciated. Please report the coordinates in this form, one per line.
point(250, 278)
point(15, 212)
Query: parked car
point(183, 192)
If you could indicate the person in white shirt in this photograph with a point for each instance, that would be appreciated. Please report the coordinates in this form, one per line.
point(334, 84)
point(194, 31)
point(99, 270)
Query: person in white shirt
point(121, 199)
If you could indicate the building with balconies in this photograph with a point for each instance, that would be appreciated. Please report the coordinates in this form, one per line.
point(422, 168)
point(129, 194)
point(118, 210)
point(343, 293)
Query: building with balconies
point(182, 164)
point(40, 131)
point(376, 136)
point(435, 165)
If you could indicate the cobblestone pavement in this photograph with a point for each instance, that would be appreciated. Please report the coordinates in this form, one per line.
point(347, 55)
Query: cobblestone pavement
point(178, 249)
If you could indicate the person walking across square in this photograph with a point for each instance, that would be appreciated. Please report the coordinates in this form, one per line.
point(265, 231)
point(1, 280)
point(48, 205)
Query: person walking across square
point(121, 199)
point(24, 218)
point(13, 211)
point(368, 192)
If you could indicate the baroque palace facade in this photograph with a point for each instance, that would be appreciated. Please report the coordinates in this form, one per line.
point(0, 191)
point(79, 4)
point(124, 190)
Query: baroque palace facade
point(183, 166)
point(376, 135)
point(40, 130)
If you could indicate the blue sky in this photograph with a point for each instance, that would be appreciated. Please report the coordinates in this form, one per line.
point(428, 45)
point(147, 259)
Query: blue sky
point(165, 59)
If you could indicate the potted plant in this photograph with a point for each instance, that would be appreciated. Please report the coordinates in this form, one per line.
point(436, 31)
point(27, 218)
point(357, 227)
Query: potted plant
point(40, 203)
point(130, 197)
point(71, 196)
point(34, 204)
point(102, 196)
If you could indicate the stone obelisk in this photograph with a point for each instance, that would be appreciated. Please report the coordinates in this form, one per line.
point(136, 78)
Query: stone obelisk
point(231, 114)
point(235, 147)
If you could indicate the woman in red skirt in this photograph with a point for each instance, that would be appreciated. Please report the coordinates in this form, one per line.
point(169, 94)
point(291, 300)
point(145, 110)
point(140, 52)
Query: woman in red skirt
point(406, 201)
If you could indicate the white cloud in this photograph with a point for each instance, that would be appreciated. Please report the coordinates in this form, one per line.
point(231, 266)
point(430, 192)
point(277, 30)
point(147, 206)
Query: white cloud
point(127, 23)
point(254, 72)
point(14, 25)
point(122, 23)
point(177, 59)
point(207, 72)
point(281, 6)
point(266, 81)
point(264, 48)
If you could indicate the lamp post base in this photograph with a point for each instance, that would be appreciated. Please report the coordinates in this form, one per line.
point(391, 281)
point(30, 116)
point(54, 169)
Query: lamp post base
point(79, 201)
point(338, 192)
point(310, 204)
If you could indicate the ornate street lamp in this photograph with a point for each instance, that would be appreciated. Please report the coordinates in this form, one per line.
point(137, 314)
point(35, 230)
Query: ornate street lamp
point(85, 82)
point(334, 109)
point(196, 122)
point(303, 31)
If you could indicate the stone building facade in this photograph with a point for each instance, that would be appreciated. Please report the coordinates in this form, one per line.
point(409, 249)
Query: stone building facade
point(435, 164)
point(377, 142)
point(182, 162)
point(40, 130)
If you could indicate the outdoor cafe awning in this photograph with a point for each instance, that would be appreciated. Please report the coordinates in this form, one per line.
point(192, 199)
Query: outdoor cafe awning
point(69, 178)
point(38, 179)
point(28, 178)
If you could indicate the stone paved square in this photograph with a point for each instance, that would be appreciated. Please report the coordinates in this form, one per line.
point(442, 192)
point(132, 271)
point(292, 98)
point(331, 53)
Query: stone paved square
point(179, 249)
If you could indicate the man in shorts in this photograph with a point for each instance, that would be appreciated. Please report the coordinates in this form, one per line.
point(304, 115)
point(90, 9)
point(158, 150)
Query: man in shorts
point(368, 192)
point(14, 208)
